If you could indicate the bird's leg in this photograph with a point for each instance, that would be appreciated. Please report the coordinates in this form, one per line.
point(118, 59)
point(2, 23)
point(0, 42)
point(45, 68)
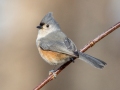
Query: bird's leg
point(73, 59)
point(53, 72)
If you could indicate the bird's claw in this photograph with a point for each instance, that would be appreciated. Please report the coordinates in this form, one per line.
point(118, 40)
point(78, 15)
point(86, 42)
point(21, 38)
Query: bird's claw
point(72, 59)
point(53, 72)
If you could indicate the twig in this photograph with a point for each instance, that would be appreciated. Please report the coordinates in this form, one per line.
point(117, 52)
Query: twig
point(92, 43)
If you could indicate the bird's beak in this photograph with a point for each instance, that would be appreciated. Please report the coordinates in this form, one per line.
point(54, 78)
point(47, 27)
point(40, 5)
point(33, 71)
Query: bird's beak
point(39, 27)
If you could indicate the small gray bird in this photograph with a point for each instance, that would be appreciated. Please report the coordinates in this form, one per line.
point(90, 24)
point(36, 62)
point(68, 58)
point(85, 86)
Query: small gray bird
point(55, 47)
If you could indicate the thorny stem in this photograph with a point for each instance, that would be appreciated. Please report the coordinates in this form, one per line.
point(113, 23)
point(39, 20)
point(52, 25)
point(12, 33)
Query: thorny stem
point(92, 43)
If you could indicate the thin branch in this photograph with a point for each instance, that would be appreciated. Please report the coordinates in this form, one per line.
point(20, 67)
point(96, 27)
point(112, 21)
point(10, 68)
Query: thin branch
point(92, 43)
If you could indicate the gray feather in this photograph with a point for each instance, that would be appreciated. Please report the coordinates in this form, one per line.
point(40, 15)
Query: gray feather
point(49, 19)
point(92, 60)
point(58, 42)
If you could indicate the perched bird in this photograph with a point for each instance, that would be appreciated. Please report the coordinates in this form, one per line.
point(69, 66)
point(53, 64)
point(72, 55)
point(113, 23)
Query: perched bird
point(56, 48)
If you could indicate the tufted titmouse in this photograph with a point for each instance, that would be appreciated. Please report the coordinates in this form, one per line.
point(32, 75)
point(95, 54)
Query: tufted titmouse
point(55, 47)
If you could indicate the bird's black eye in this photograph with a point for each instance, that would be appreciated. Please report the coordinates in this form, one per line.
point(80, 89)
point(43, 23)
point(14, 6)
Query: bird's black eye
point(47, 25)
point(41, 24)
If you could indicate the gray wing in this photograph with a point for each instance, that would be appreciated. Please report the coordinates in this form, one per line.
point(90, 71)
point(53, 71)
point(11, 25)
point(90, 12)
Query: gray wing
point(59, 43)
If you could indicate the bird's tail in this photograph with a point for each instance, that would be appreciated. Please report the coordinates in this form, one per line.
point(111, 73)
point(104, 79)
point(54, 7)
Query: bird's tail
point(92, 60)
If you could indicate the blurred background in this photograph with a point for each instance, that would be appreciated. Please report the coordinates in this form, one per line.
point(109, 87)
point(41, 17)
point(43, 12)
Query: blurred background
point(22, 68)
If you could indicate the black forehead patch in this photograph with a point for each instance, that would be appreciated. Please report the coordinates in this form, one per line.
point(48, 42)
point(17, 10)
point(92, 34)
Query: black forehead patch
point(42, 23)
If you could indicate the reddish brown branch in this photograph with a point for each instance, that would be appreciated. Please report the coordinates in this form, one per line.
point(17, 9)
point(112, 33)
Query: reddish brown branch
point(92, 43)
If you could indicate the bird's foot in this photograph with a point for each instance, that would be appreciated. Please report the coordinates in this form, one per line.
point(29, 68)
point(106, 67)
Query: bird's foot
point(72, 59)
point(53, 72)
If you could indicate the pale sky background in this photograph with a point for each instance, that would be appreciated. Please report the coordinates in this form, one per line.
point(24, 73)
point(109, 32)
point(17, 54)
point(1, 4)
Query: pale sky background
point(21, 67)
